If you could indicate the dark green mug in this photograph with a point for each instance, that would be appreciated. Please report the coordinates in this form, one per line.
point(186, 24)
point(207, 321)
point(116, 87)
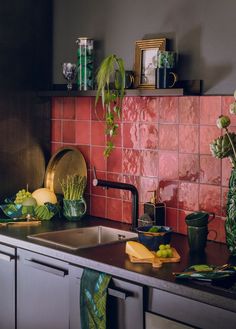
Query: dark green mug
point(199, 218)
point(197, 237)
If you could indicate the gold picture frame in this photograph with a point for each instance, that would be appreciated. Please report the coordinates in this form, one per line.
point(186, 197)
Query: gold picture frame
point(145, 61)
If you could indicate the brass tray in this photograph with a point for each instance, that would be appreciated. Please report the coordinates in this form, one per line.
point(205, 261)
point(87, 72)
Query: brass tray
point(66, 161)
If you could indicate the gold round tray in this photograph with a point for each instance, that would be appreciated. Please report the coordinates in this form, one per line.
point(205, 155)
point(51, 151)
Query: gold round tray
point(66, 161)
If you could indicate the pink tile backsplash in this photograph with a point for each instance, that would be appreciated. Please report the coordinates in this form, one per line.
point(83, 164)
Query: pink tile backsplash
point(163, 143)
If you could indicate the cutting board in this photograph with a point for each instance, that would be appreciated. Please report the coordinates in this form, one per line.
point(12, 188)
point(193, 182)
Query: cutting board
point(32, 222)
point(157, 261)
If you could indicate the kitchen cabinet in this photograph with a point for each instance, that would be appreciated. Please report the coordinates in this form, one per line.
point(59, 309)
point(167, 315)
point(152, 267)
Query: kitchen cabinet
point(7, 287)
point(187, 311)
point(42, 292)
point(124, 303)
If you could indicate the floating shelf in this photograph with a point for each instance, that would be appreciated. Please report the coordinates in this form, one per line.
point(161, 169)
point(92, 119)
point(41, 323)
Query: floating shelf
point(187, 87)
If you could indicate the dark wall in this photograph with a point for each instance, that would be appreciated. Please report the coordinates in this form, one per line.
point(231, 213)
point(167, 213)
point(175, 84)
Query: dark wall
point(202, 32)
point(25, 67)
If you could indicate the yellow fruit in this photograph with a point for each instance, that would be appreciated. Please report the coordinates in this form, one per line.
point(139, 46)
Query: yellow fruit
point(159, 253)
point(43, 195)
point(29, 202)
point(162, 247)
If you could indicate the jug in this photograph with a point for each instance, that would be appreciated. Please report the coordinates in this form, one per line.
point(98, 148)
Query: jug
point(197, 229)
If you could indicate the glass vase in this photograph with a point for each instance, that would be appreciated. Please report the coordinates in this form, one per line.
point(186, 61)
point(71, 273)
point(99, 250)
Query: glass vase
point(85, 64)
point(74, 210)
point(230, 223)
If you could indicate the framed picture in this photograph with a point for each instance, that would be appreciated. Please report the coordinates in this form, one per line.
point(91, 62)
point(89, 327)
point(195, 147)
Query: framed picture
point(146, 61)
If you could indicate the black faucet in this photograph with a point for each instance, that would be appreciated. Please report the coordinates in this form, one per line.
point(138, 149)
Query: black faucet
point(121, 186)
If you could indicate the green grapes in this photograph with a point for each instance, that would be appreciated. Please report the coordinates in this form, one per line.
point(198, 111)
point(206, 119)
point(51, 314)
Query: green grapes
point(21, 195)
point(165, 251)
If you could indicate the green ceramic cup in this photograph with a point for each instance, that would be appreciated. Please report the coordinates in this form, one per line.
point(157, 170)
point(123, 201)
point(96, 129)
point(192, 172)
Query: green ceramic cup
point(197, 238)
point(74, 210)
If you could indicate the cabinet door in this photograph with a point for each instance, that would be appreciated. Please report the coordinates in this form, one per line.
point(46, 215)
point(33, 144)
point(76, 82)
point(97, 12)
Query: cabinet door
point(7, 287)
point(42, 292)
point(125, 305)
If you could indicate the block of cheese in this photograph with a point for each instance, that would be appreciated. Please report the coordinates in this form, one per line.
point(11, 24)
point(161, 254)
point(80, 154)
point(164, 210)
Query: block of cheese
point(138, 250)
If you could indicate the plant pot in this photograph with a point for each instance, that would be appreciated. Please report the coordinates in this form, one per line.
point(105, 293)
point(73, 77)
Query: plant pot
point(74, 210)
point(230, 223)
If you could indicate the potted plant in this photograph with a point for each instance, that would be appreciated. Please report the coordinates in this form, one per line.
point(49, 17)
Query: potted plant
point(225, 147)
point(74, 205)
point(110, 86)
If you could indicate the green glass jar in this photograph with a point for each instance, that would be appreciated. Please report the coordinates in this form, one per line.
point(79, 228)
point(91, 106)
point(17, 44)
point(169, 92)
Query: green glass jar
point(74, 210)
point(85, 64)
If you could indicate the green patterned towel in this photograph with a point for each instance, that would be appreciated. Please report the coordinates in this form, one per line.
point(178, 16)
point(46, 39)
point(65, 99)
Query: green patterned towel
point(93, 299)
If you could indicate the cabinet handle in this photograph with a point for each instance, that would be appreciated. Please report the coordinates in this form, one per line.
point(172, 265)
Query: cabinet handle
point(7, 258)
point(118, 293)
point(46, 268)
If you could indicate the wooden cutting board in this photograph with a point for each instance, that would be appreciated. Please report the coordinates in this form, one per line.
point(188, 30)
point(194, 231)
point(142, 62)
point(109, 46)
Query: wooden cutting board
point(157, 261)
point(33, 222)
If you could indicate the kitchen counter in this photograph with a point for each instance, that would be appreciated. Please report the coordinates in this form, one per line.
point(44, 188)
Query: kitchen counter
point(113, 260)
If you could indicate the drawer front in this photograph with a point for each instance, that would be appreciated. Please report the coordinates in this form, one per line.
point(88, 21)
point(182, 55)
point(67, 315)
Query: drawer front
point(189, 311)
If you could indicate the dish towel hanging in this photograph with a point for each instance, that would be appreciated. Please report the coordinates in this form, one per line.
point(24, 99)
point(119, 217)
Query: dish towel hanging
point(93, 297)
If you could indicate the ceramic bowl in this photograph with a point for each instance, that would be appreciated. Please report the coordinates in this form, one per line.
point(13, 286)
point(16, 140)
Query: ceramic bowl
point(152, 240)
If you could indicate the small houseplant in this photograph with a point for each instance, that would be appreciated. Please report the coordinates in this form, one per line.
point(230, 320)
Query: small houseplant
point(74, 205)
point(110, 86)
point(225, 147)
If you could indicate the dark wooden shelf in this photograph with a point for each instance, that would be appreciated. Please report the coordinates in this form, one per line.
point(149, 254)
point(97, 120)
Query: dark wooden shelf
point(128, 92)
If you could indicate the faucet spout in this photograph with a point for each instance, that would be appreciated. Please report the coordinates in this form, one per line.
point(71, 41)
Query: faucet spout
point(122, 186)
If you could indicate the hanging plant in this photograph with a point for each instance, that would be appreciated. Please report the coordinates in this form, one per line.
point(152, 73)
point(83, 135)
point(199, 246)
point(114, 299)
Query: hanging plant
point(110, 86)
point(225, 147)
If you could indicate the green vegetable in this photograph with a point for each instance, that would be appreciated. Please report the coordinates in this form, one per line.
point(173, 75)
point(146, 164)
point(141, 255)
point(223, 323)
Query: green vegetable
point(223, 121)
point(201, 268)
point(154, 229)
point(73, 187)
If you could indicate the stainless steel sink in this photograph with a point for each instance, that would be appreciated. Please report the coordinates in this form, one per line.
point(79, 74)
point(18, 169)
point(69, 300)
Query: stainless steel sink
point(84, 237)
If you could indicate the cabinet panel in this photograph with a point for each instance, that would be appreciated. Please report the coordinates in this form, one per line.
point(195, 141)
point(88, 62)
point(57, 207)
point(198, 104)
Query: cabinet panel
point(189, 311)
point(42, 292)
point(7, 287)
point(153, 321)
point(125, 305)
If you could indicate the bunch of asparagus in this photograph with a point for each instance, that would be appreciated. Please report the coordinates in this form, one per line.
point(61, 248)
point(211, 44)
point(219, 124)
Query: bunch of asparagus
point(73, 187)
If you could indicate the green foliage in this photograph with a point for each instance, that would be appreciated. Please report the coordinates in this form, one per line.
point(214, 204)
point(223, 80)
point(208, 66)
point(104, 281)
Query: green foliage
point(111, 70)
point(230, 223)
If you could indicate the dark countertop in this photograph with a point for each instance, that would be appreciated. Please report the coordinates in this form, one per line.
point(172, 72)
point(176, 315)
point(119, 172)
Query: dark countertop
point(113, 260)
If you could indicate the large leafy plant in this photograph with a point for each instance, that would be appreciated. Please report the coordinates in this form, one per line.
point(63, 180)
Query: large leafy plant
point(225, 147)
point(110, 86)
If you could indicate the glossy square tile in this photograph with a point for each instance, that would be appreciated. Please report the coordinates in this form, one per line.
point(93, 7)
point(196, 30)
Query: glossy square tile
point(189, 110)
point(55, 147)
point(210, 198)
point(83, 108)
point(210, 170)
point(207, 136)
point(147, 184)
point(98, 206)
point(182, 226)
point(114, 161)
point(114, 209)
point(210, 109)
point(189, 167)
point(97, 158)
point(82, 132)
point(98, 133)
point(148, 135)
point(149, 163)
point(188, 139)
point(69, 108)
point(169, 190)
point(131, 135)
point(188, 196)
point(131, 108)
point(168, 165)
point(168, 109)
point(85, 150)
point(217, 230)
point(56, 131)
point(127, 212)
point(225, 191)
point(150, 109)
point(168, 137)
point(57, 108)
point(68, 131)
point(131, 162)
